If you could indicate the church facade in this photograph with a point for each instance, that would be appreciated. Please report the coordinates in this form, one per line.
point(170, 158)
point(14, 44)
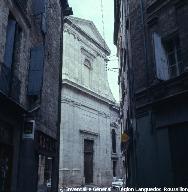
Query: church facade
point(90, 134)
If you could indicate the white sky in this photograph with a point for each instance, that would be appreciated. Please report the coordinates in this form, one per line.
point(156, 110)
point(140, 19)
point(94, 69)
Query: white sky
point(91, 10)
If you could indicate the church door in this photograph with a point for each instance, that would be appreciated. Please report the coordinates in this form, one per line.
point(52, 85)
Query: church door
point(88, 161)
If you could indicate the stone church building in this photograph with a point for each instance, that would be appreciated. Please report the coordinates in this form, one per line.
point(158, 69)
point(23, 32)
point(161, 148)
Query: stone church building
point(90, 134)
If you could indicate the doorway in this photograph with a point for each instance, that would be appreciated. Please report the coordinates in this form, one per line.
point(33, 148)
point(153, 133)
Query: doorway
point(88, 161)
point(178, 136)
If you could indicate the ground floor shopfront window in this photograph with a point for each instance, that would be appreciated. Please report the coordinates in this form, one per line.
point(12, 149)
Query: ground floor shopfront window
point(44, 173)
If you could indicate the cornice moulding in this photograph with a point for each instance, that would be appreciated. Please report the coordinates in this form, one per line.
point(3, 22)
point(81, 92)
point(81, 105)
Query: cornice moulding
point(89, 92)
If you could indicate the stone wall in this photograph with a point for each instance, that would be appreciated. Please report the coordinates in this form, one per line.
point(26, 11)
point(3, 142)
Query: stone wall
point(31, 35)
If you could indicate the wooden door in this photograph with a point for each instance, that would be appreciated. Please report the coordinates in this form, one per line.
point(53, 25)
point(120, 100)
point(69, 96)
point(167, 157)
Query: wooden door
point(88, 161)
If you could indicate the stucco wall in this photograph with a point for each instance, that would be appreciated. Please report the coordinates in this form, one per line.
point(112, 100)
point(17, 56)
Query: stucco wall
point(76, 49)
point(85, 118)
point(86, 110)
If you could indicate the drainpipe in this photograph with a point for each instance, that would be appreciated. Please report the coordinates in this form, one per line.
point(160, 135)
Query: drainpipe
point(145, 45)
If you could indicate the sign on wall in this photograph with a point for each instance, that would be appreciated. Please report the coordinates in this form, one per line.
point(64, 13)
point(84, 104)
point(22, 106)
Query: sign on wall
point(124, 137)
point(29, 129)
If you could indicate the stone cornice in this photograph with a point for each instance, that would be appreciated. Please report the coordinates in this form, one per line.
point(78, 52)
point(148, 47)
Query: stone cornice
point(75, 33)
point(83, 33)
point(80, 104)
point(89, 92)
point(89, 132)
point(88, 53)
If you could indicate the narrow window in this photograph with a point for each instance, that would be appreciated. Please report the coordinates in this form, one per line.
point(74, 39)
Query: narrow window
point(114, 168)
point(160, 58)
point(44, 172)
point(11, 56)
point(39, 8)
point(10, 41)
point(86, 74)
point(36, 71)
point(113, 141)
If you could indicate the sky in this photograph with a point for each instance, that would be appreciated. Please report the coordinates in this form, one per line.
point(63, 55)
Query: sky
point(91, 10)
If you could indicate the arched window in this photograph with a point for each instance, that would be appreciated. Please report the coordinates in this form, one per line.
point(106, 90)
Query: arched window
point(113, 141)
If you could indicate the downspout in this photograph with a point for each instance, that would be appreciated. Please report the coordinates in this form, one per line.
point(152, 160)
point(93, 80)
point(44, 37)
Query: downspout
point(145, 46)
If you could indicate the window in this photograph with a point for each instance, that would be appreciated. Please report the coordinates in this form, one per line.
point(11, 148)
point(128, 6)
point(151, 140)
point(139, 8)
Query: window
point(40, 11)
point(114, 168)
point(44, 173)
point(113, 141)
point(9, 81)
point(86, 74)
point(174, 57)
point(36, 71)
point(167, 57)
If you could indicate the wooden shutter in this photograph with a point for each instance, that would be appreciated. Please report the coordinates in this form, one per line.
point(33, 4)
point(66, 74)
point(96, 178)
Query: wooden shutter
point(160, 58)
point(9, 46)
point(38, 6)
point(36, 70)
point(44, 18)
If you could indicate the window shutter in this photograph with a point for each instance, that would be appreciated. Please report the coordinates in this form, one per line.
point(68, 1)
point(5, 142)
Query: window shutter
point(44, 18)
point(9, 46)
point(44, 23)
point(36, 70)
point(38, 6)
point(160, 58)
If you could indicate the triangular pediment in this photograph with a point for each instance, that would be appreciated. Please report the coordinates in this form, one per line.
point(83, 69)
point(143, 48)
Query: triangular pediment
point(90, 29)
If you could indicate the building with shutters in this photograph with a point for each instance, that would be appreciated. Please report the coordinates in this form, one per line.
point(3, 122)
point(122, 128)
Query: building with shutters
point(30, 93)
point(90, 134)
point(151, 39)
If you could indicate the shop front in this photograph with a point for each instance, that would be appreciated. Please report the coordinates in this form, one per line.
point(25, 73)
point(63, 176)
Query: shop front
point(46, 159)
